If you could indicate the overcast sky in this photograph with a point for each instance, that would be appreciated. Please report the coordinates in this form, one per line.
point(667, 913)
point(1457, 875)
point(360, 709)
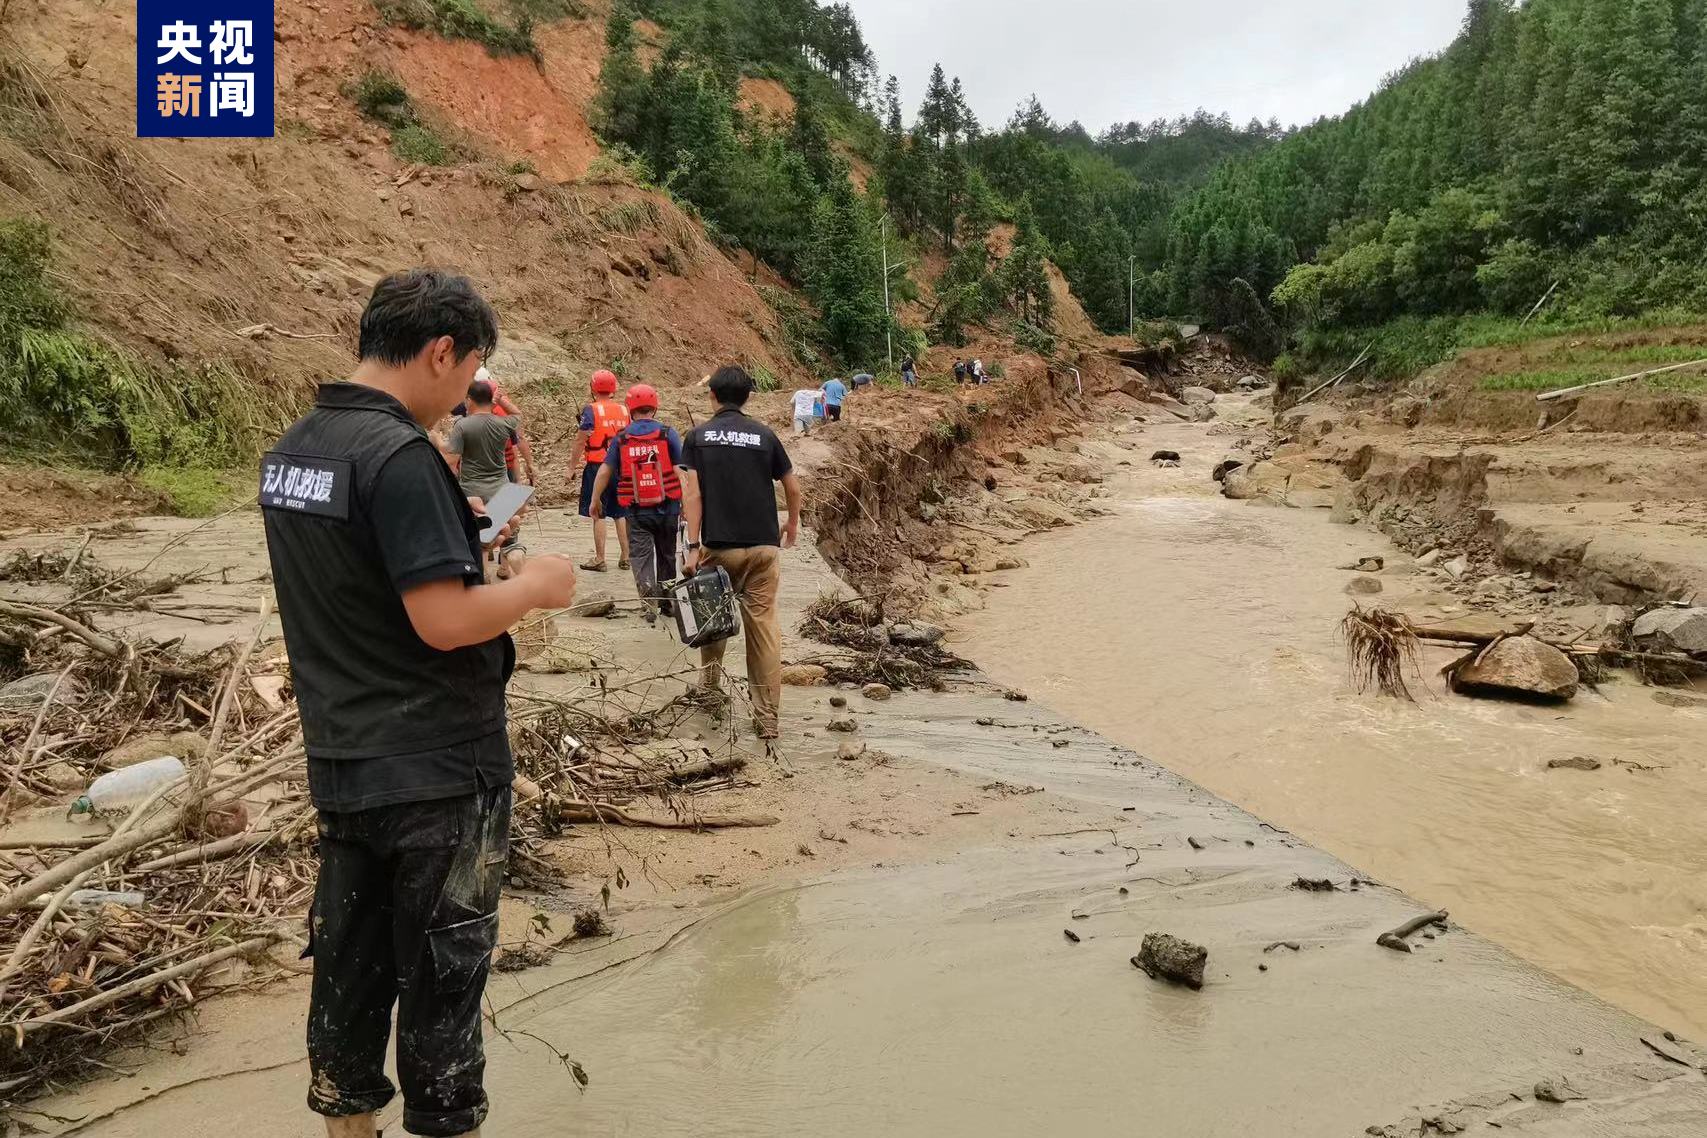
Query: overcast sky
point(1109, 61)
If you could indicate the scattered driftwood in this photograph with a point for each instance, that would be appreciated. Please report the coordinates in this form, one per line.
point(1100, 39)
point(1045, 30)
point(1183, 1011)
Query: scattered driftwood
point(1395, 938)
point(1564, 392)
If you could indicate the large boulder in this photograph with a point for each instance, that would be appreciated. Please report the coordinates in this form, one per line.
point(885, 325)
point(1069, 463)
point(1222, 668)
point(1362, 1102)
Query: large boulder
point(1263, 480)
point(1197, 396)
point(1672, 630)
point(1522, 666)
point(1166, 957)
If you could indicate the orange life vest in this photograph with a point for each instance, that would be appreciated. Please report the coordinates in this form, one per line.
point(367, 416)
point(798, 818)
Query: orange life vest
point(609, 420)
point(646, 474)
point(498, 410)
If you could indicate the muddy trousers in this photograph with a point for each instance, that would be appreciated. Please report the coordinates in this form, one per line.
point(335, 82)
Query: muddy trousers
point(755, 572)
point(652, 553)
point(405, 912)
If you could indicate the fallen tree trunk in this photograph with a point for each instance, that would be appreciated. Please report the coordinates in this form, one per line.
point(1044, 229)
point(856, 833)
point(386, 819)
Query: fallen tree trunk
point(1395, 939)
point(1547, 396)
point(592, 812)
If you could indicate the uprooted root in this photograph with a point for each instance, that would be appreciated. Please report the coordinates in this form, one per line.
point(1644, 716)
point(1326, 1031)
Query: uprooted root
point(1379, 646)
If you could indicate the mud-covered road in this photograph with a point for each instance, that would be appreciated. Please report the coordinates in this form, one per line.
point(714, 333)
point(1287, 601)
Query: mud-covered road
point(1204, 630)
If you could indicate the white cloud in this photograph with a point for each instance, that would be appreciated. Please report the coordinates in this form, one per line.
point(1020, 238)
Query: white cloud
point(1108, 61)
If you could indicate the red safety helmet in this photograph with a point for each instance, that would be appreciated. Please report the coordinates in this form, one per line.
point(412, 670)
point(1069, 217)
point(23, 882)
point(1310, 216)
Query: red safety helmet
point(642, 396)
point(604, 382)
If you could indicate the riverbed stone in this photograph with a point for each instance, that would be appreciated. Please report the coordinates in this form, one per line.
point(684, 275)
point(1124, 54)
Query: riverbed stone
point(1166, 957)
point(1363, 586)
point(594, 603)
point(915, 634)
point(1574, 763)
point(1197, 396)
point(845, 724)
point(804, 675)
point(31, 692)
point(877, 691)
point(1521, 666)
point(1672, 630)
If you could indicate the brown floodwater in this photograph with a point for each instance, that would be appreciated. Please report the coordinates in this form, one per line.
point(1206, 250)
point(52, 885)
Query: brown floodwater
point(1201, 632)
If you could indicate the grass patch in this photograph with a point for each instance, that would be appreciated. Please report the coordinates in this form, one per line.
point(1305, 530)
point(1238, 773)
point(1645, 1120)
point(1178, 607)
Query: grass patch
point(764, 379)
point(627, 217)
point(196, 491)
point(418, 143)
point(465, 19)
point(1410, 345)
point(1552, 379)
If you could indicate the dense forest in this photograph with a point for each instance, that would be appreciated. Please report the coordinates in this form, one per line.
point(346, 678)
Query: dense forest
point(1553, 142)
point(1560, 141)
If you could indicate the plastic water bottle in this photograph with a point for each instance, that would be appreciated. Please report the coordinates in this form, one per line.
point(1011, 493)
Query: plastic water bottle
point(117, 792)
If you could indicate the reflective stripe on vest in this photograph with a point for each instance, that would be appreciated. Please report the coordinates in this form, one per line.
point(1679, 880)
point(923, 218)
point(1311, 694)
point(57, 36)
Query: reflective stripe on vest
point(610, 418)
point(646, 474)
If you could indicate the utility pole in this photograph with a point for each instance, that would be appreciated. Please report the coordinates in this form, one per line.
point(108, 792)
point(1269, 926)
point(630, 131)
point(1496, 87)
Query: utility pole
point(888, 318)
point(1131, 289)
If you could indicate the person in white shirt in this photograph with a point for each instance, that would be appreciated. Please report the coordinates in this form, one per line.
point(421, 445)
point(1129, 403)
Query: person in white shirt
point(806, 402)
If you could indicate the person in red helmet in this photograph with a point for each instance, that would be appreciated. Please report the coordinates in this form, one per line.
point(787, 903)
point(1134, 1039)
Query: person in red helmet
point(643, 463)
point(602, 420)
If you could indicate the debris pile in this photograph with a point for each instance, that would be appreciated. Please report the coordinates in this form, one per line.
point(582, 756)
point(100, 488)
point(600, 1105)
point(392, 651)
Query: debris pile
point(898, 655)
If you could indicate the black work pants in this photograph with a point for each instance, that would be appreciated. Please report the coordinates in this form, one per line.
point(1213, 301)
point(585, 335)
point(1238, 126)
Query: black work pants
point(652, 553)
point(406, 912)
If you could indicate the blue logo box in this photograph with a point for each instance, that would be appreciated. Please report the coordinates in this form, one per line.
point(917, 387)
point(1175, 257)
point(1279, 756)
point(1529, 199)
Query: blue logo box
point(204, 68)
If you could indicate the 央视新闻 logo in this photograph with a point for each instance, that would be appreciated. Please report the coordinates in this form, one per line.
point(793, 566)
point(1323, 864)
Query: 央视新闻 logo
point(204, 68)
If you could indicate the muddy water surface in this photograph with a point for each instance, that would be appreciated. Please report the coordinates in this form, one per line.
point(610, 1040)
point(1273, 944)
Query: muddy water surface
point(1201, 632)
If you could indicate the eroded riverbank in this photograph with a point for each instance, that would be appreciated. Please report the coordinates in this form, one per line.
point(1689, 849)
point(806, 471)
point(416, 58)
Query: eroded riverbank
point(1203, 630)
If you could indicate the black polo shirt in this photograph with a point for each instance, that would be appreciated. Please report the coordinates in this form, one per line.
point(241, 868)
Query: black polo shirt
point(737, 459)
point(359, 508)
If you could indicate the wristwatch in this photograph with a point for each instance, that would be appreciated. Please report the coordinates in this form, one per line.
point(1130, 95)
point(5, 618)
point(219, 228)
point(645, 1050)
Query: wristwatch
point(693, 545)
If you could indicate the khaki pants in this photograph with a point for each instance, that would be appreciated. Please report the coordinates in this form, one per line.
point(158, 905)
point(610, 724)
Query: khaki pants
point(755, 572)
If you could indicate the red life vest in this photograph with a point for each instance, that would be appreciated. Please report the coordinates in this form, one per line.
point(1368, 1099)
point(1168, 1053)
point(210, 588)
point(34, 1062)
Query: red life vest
point(646, 475)
point(609, 419)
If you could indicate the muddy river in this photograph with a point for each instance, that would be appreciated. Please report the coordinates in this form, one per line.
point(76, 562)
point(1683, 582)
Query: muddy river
point(1201, 633)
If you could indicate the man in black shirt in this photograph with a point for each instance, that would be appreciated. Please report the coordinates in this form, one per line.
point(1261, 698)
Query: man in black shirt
point(729, 504)
point(399, 656)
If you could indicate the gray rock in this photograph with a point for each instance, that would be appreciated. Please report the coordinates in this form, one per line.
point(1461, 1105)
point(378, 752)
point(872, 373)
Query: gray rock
point(1664, 630)
point(1457, 567)
point(1344, 511)
point(842, 723)
point(1574, 763)
point(593, 603)
point(915, 634)
point(1366, 565)
point(63, 776)
point(1521, 666)
point(1557, 1090)
point(1225, 467)
point(30, 692)
point(850, 751)
point(1363, 586)
point(1251, 383)
point(1430, 559)
point(1197, 396)
point(876, 691)
point(1166, 957)
point(838, 701)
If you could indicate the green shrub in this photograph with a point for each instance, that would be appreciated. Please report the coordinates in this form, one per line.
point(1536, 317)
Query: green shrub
point(417, 143)
point(380, 96)
point(764, 379)
point(63, 390)
point(465, 19)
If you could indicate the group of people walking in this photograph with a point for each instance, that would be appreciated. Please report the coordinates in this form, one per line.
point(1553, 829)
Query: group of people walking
point(400, 655)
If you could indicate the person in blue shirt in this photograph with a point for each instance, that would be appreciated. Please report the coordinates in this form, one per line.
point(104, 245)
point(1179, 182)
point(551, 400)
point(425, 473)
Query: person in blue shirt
point(643, 467)
point(834, 393)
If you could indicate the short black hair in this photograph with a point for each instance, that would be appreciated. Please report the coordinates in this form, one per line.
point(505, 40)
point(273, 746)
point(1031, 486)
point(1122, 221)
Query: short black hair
point(732, 385)
point(480, 393)
point(409, 310)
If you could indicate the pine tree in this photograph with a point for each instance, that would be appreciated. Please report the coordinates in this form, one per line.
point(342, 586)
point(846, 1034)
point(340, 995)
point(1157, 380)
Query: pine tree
point(844, 272)
point(1025, 272)
point(616, 111)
